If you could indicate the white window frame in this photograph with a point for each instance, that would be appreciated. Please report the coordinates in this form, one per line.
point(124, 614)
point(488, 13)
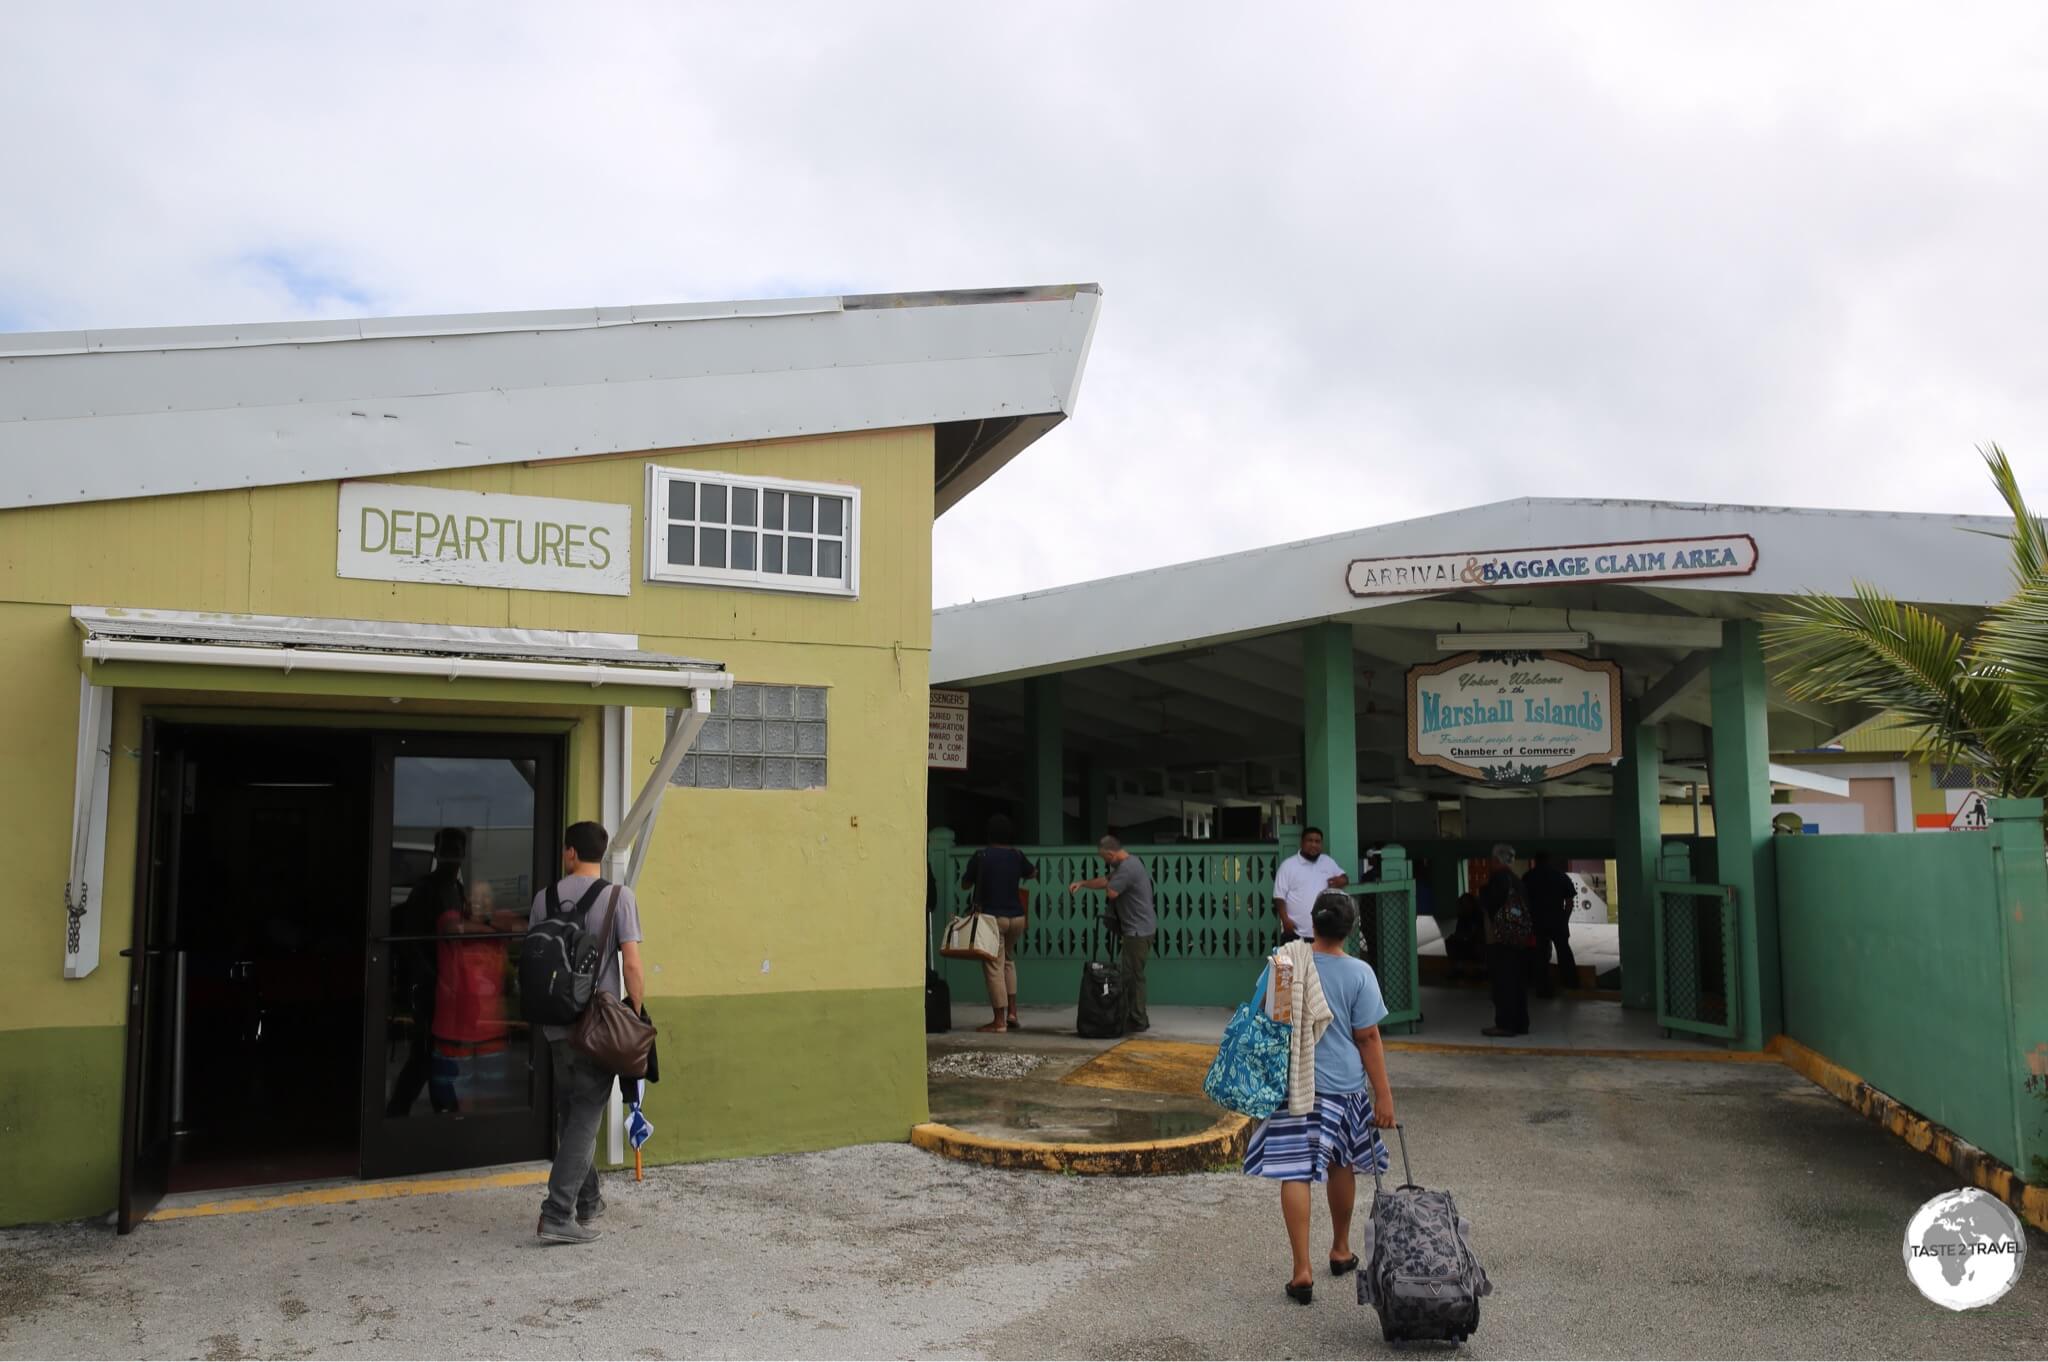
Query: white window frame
point(659, 569)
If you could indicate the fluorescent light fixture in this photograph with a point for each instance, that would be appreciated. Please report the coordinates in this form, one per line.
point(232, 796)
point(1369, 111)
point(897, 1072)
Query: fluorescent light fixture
point(1533, 641)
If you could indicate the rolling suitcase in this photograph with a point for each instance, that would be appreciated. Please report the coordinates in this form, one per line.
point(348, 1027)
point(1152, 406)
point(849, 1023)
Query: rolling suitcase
point(1416, 1266)
point(1101, 1011)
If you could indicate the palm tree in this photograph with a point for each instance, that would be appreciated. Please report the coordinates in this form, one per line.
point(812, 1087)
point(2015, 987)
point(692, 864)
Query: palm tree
point(1979, 700)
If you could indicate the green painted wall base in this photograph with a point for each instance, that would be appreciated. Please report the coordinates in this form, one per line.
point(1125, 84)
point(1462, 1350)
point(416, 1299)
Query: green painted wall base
point(765, 1073)
point(776, 1073)
point(60, 1121)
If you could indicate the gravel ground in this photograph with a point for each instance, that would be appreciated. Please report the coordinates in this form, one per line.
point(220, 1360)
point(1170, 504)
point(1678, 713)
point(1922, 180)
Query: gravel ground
point(984, 1064)
point(1655, 1210)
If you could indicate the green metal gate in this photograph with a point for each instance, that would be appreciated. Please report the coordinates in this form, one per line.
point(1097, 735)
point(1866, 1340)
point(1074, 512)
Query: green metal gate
point(1386, 939)
point(1698, 958)
point(1216, 925)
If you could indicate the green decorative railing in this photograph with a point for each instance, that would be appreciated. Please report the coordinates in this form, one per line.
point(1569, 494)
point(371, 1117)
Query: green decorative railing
point(1698, 958)
point(1216, 925)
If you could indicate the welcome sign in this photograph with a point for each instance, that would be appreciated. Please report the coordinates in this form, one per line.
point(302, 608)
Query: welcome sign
point(1643, 560)
point(394, 533)
point(1514, 718)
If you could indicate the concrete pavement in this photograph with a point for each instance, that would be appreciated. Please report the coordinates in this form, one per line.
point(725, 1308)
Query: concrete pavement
point(1623, 1209)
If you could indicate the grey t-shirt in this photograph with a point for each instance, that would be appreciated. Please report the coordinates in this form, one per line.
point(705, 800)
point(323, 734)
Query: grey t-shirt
point(1132, 885)
point(626, 928)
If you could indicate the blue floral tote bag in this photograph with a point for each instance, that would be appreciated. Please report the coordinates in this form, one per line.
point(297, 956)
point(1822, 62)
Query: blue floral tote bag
point(1250, 1072)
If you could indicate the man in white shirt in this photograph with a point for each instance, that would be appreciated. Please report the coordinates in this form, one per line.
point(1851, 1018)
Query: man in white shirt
point(1303, 876)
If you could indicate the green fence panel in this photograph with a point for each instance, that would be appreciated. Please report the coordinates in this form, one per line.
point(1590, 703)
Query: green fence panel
point(1894, 968)
point(1216, 926)
point(1697, 951)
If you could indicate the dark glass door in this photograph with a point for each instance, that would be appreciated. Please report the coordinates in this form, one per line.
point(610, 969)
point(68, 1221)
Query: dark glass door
point(468, 829)
point(154, 962)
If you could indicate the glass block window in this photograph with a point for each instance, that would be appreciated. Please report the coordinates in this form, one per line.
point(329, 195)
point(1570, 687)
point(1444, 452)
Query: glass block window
point(714, 529)
point(759, 738)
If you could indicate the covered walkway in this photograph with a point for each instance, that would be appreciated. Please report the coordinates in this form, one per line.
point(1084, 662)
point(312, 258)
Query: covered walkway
point(1581, 677)
point(1208, 710)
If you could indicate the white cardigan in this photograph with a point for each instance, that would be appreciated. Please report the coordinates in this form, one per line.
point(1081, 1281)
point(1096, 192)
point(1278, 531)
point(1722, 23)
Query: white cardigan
point(1312, 1016)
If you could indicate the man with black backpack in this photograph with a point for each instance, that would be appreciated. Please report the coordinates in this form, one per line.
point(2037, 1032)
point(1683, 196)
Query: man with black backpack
point(581, 932)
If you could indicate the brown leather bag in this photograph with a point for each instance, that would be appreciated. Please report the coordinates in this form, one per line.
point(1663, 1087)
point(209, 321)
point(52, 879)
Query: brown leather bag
point(612, 1035)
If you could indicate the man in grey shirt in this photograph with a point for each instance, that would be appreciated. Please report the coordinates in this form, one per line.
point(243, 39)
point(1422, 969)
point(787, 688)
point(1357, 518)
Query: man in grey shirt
point(581, 1087)
point(1129, 886)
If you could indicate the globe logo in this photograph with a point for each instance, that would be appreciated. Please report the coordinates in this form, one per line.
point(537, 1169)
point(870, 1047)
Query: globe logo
point(1965, 1249)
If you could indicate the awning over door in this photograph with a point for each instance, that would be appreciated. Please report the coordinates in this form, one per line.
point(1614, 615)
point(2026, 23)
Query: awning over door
point(273, 654)
point(184, 651)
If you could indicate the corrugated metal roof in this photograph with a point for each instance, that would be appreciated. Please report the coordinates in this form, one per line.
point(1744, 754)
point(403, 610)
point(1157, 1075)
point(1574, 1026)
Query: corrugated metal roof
point(101, 415)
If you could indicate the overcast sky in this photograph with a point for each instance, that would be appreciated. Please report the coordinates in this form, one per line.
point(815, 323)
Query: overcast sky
point(1360, 262)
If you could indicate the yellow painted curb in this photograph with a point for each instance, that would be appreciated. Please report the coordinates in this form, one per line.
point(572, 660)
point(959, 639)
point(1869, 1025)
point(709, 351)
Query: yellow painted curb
point(1451, 1047)
point(1221, 1143)
point(357, 1191)
point(1967, 1160)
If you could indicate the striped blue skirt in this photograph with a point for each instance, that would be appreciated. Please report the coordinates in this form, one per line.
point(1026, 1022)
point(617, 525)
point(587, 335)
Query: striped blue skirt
point(1337, 1133)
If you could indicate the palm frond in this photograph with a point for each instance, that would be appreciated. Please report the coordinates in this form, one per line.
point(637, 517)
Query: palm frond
point(2029, 537)
point(1872, 650)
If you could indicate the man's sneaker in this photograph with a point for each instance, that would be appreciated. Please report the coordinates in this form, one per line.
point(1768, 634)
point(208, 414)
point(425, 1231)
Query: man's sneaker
point(565, 1231)
point(586, 1214)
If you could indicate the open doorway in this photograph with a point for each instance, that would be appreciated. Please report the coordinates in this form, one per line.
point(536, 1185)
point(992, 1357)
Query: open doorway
point(325, 967)
point(266, 873)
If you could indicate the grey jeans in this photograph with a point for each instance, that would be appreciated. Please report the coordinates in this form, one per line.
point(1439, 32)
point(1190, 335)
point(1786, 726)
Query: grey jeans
point(581, 1091)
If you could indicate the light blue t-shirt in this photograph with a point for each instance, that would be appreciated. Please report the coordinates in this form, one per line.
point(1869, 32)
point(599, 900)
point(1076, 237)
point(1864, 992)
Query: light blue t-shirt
point(1353, 992)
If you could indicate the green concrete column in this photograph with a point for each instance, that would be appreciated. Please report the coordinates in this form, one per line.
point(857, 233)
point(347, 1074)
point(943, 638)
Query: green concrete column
point(1638, 828)
point(1330, 737)
point(1044, 822)
point(2023, 925)
point(1094, 800)
point(1743, 852)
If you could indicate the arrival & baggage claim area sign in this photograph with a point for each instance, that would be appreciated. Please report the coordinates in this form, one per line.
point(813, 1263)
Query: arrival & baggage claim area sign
point(1645, 560)
point(1514, 718)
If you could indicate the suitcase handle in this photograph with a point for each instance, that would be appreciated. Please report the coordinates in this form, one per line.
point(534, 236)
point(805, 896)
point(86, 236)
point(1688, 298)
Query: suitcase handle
point(1400, 1133)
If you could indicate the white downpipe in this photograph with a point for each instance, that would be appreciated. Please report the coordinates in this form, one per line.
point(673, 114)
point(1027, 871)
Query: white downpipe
point(288, 660)
point(85, 889)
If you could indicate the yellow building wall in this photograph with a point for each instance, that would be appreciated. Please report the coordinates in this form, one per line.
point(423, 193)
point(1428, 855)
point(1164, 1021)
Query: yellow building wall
point(784, 928)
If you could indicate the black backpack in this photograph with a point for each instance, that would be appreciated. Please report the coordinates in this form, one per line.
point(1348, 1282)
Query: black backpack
point(558, 969)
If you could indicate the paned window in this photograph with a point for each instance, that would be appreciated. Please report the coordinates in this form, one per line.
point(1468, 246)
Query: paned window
point(715, 529)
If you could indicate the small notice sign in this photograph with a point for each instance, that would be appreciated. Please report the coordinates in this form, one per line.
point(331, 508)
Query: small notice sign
point(1973, 816)
point(949, 730)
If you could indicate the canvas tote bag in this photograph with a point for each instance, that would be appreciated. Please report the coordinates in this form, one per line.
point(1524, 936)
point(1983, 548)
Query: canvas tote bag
point(975, 936)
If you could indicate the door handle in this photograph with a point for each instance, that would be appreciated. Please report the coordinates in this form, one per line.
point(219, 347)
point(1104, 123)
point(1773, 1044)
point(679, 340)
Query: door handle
point(150, 953)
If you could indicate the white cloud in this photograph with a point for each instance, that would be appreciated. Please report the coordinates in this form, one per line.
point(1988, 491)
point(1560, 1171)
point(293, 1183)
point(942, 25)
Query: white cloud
point(1360, 262)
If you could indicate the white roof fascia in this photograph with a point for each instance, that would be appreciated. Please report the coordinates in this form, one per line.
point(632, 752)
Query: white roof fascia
point(108, 415)
point(1926, 559)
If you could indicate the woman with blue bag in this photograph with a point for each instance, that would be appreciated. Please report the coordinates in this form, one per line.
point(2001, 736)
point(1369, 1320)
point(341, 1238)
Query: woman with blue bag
point(1329, 1130)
